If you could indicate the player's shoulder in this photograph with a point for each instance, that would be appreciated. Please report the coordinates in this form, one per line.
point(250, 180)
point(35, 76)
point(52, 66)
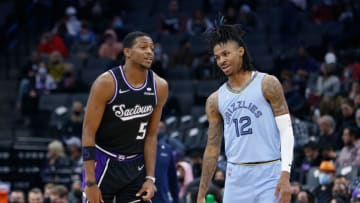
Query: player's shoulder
point(160, 82)
point(162, 88)
point(271, 87)
point(212, 98)
point(104, 80)
point(270, 80)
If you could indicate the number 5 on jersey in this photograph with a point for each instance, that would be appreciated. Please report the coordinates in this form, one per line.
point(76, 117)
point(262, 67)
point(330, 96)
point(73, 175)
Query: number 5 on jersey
point(142, 131)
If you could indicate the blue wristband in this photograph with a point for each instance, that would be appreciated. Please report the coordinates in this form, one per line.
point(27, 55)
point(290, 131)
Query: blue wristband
point(89, 153)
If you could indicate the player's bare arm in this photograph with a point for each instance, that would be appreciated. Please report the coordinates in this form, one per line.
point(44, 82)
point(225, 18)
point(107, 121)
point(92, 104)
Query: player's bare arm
point(273, 92)
point(212, 151)
point(151, 138)
point(101, 92)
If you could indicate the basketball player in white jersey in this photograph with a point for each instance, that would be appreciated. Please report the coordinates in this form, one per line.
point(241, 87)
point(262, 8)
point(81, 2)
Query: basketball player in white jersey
point(249, 110)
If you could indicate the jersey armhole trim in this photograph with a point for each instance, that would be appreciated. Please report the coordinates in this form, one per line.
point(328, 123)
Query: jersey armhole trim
point(154, 83)
point(116, 87)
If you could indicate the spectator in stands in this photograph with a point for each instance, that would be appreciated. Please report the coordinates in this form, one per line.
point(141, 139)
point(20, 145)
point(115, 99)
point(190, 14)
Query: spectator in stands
point(35, 196)
point(328, 84)
point(183, 55)
point(70, 82)
point(350, 153)
point(247, 17)
point(204, 69)
point(347, 108)
point(173, 21)
point(73, 25)
point(56, 66)
point(312, 155)
point(75, 195)
point(73, 124)
point(47, 191)
point(59, 194)
point(304, 64)
point(304, 197)
point(27, 98)
point(219, 179)
point(185, 176)
point(354, 91)
point(324, 11)
point(198, 23)
point(44, 82)
point(118, 25)
point(58, 166)
point(111, 47)
point(327, 134)
point(323, 193)
point(328, 153)
point(32, 63)
point(51, 42)
point(161, 60)
point(340, 190)
point(178, 148)
point(301, 130)
point(73, 146)
point(231, 15)
point(17, 196)
point(165, 171)
point(85, 43)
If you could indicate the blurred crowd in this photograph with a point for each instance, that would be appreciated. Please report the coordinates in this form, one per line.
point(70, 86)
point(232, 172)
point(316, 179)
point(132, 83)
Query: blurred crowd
point(79, 39)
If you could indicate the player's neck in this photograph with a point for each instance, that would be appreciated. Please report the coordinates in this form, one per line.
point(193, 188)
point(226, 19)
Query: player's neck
point(239, 79)
point(134, 74)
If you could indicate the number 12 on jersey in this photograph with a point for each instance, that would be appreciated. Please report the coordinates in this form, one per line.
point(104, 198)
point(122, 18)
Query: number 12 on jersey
point(242, 126)
point(142, 131)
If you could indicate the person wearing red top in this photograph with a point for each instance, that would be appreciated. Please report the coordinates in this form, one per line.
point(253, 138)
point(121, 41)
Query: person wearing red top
point(51, 42)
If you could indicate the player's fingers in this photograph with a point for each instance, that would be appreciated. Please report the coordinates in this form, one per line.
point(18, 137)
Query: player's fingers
point(140, 192)
point(277, 190)
point(149, 194)
point(101, 198)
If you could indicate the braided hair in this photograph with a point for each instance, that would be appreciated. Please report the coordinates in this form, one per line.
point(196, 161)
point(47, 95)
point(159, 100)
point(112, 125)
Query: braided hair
point(223, 33)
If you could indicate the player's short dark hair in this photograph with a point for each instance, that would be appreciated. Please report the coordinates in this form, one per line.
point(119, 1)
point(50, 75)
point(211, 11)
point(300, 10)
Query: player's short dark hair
point(224, 33)
point(130, 38)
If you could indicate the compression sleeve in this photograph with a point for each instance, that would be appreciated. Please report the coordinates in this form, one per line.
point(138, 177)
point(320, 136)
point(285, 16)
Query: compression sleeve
point(286, 140)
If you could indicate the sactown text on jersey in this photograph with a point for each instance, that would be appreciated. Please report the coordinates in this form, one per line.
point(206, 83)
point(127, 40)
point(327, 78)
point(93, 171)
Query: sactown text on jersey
point(137, 111)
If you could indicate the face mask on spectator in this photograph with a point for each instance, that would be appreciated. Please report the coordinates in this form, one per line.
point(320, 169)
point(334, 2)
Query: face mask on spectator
point(324, 179)
point(219, 183)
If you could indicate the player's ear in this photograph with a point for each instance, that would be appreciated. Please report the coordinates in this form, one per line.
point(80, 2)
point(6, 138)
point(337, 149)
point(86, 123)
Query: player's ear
point(127, 52)
point(241, 51)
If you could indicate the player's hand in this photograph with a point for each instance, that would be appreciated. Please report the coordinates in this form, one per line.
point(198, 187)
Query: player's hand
point(282, 191)
point(147, 190)
point(93, 194)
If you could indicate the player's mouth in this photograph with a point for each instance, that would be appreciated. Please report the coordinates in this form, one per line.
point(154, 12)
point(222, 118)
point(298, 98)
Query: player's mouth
point(149, 60)
point(225, 68)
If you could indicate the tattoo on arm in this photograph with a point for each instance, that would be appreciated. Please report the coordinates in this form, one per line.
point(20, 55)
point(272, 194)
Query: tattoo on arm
point(212, 151)
point(274, 94)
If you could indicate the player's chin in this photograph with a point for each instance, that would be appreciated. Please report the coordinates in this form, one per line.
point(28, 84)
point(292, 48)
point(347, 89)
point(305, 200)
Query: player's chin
point(146, 65)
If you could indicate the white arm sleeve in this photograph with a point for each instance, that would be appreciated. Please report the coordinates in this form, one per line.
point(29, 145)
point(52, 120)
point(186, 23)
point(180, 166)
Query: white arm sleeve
point(287, 141)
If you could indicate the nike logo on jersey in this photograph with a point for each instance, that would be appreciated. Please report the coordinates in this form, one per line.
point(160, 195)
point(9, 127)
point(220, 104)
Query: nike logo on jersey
point(140, 167)
point(138, 111)
point(123, 91)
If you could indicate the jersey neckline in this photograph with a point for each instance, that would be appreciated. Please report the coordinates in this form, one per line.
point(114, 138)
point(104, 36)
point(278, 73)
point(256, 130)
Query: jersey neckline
point(228, 87)
point(129, 85)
